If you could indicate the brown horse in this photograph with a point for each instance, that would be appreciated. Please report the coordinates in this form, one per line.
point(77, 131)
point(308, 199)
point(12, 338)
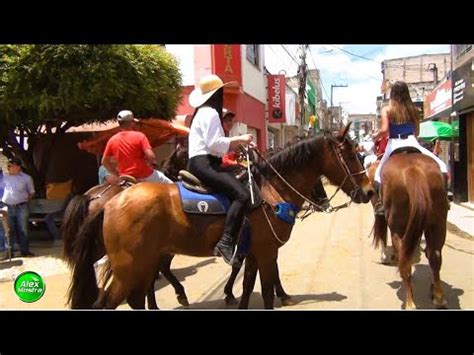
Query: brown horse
point(93, 201)
point(146, 221)
point(415, 201)
point(380, 227)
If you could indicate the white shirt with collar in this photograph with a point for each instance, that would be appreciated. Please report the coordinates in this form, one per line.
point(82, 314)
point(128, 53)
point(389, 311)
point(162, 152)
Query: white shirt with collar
point(17, 188)
point(207, 135)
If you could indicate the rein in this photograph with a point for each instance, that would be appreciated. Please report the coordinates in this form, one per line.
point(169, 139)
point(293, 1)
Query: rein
point(337, 151)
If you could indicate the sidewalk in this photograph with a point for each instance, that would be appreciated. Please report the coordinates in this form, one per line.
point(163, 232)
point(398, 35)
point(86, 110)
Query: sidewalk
point(461, 220)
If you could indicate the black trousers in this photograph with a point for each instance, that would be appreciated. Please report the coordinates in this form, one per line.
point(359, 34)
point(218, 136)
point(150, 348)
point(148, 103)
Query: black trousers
point(207, 169)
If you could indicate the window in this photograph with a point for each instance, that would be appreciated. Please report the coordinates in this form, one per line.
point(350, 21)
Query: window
point(253, 54)
point(461, 49)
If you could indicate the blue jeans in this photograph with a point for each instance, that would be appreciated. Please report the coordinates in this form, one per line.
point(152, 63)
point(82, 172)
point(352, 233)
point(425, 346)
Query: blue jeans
point(18, 217)
point(51, 225)
point(2, 238)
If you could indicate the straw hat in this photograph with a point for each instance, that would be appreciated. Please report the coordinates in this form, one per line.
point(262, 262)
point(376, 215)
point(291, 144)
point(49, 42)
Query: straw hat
point(208, 85)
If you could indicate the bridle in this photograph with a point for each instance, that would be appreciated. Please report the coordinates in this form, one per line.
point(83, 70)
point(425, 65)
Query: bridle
point(337, 149)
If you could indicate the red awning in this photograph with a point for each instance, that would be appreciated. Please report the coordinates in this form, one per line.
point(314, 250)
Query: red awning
point(157, 131)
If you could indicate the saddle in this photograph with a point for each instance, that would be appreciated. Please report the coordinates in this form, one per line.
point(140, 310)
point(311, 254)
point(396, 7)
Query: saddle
point(194, 184)
point(127, 181)
point(405, 150)
point(201, 199)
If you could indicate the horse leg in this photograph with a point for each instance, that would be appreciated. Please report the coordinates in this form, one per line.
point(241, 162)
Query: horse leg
point(404, 265)
point(150, 296)
point(250, 274)
point(165, 265)
point(286, 299)
point(433, 254)
point(112, 296)
point(136, 300)
point(229, 296)
point(267, 267)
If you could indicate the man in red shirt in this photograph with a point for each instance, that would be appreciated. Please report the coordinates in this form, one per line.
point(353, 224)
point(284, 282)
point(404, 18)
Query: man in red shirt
point(132, 152)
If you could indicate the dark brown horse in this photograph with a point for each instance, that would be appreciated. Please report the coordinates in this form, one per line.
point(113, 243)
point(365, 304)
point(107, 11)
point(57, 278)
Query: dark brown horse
point(177, 161)
point(146, 221)
point(415, 202)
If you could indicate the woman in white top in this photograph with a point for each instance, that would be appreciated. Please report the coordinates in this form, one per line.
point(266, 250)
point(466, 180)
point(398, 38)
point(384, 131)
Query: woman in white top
point(207, 144)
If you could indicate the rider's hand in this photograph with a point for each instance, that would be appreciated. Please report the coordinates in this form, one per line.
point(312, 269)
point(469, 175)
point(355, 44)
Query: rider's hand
point(246, 138)
point(112, 179)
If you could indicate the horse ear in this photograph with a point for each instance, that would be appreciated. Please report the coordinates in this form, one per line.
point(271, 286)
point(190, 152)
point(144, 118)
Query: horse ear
point(344, 130)
point(178, 146)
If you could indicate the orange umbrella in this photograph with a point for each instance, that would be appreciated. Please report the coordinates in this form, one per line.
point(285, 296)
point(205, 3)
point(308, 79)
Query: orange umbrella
point(157, 131)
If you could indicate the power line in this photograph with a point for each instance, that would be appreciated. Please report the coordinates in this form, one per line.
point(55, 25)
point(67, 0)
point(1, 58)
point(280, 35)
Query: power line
point(418, 66)
point(356, 55)
point(281, 60)
point(291, 56)
point(319, 77)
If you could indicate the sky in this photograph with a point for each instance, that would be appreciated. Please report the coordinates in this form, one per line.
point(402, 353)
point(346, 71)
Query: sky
point(340, 65)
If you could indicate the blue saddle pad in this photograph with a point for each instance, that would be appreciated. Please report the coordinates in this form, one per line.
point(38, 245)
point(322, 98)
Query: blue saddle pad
point(194, 202)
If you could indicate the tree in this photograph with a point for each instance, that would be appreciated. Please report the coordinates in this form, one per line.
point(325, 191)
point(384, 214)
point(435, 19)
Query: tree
point(46, 89)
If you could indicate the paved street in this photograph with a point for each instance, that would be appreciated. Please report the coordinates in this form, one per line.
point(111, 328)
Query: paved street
point(329, 263)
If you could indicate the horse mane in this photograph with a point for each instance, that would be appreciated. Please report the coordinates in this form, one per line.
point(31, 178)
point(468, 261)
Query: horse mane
point(295, 156)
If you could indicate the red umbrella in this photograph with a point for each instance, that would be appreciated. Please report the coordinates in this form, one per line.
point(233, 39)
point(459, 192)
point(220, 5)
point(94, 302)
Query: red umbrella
point(157, 131)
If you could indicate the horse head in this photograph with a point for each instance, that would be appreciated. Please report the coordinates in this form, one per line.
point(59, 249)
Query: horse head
point(177, 161)
point(343, 168)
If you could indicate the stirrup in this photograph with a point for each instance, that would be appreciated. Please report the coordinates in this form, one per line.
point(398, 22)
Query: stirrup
point(217, 252)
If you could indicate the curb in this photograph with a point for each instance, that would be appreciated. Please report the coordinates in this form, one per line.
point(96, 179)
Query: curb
point(458, 231)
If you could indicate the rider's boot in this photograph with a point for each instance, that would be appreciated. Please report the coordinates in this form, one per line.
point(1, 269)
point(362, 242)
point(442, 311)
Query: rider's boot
point(226, 246)
point(379, 210)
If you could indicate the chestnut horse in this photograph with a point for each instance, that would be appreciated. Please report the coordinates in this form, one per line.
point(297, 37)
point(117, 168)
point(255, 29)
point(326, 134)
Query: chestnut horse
point(146, 222)
point(93, 201)
point(415, 201)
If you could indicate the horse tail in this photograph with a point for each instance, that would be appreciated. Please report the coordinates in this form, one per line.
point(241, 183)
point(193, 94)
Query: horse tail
point(380, 231)
point(419, 210)
point(74, 216)
point(83, 290)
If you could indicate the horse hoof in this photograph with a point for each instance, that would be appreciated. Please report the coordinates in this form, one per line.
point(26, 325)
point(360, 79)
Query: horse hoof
point(183, 301)
point(230, 300)
point(287, 301)
point(440, 304)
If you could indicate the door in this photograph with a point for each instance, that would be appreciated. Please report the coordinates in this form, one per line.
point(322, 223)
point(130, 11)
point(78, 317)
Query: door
point(470, 156)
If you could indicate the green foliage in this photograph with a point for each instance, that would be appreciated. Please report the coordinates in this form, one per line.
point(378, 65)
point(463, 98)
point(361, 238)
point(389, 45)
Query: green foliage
point(68, 85)
point(85, 83)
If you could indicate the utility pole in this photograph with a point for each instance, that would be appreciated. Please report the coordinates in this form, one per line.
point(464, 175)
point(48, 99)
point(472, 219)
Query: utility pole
point(302, 73)
point(332, 107)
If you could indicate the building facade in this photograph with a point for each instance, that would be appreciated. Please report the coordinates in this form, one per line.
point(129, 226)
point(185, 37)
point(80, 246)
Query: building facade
point(240, 63)
point(463, 120)
point(422, 74)
point(362, 125)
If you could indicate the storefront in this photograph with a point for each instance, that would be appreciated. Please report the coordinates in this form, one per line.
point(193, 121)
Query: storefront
point(463, 109)
point(438, 107)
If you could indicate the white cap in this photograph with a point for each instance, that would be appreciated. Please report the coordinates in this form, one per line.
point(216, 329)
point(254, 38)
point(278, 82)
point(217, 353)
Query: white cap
point(125, 115)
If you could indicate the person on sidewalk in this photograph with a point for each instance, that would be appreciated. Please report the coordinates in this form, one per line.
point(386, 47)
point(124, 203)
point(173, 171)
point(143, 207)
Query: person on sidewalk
point(19, 190)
